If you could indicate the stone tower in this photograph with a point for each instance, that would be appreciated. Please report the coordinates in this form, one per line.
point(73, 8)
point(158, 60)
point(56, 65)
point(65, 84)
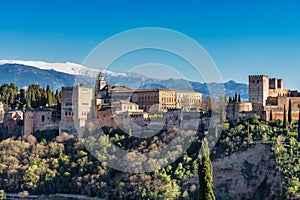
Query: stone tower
point(100, 83)
point(258, 91)
point(76, 104)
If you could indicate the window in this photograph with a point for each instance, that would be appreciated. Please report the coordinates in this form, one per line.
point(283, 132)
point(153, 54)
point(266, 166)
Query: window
point(43, 118)
point(68, 104)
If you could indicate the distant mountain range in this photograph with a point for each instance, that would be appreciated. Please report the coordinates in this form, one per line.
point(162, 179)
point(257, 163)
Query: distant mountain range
point(24, 73)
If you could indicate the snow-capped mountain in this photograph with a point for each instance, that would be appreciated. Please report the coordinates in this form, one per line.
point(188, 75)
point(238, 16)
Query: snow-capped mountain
point(67, 67)
point(24, 73)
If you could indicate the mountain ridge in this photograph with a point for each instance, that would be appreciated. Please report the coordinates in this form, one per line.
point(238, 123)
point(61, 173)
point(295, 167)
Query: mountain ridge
point(62, 74)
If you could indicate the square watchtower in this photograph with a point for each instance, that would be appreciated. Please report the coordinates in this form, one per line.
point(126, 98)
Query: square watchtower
point(258, 90)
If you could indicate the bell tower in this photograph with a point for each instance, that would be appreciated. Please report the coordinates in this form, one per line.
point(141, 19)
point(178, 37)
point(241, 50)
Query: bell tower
point(100, 83)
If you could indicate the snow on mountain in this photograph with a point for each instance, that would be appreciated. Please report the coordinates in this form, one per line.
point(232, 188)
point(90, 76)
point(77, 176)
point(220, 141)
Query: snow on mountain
point(68, 67)
point(59, 74)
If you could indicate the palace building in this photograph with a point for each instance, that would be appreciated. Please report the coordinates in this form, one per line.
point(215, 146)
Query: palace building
point(114, 103)
point(148, 99)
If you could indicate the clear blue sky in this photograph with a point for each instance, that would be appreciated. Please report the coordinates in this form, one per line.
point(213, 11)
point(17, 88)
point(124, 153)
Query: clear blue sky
point(242, 37)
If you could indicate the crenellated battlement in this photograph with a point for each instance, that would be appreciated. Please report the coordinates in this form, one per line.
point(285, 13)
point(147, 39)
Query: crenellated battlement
point(257, 77)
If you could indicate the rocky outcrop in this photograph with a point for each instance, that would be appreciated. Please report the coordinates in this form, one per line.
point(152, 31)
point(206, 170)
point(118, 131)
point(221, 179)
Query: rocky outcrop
point(249, 174)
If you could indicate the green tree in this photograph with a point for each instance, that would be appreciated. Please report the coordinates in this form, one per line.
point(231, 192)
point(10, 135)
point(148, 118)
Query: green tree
point(2, 195)
point(290, 112)
point(57, 96)
point(235, 97)
point(298, 138)
point(36, 96)
point(284, 117)
point(9, 95)
point(205, 174)
point(49, 96)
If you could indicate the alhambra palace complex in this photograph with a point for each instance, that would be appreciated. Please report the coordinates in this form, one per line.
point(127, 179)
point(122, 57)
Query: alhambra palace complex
point(117, 106)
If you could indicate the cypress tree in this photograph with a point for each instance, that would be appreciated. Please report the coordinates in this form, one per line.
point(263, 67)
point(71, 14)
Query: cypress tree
point(205, 174)
point(299, 127)
point(57, 98)
point(49, 96)
point(284, 117)
point(28, 98)
point(236, 97)
point(249, 133)
point(239, 98)
point(290, 112)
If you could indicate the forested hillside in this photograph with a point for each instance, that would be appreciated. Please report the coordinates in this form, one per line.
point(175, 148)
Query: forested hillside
point(63, 165)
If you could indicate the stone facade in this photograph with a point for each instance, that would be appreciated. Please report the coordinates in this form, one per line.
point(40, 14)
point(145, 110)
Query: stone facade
point(121, 114)
point(155, 99)
point(76, 104)
point(188, 100)
point(42, 119)
point(122, 106)
point(164, 99)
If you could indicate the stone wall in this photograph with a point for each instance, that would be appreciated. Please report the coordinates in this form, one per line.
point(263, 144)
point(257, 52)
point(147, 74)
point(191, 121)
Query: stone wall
point(46, 119)
point(235, 109)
